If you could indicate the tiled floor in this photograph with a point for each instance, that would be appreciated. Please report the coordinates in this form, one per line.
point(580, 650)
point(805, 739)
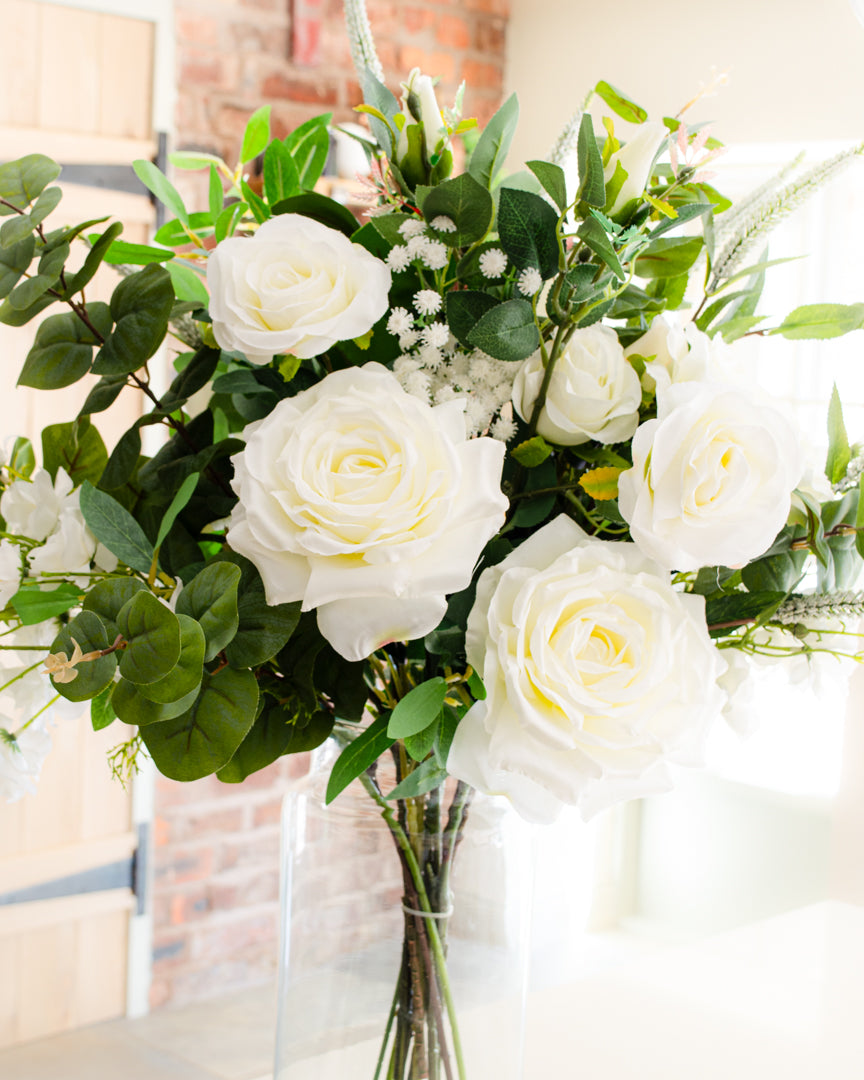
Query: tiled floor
point(228, 1038)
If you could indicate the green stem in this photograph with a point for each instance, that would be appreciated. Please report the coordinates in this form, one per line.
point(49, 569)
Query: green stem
point(423, 900)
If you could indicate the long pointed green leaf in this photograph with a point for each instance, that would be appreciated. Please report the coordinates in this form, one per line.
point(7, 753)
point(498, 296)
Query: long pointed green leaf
point(359, 755)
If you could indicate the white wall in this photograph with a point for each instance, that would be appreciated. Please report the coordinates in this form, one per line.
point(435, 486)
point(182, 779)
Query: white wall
point(796, 68)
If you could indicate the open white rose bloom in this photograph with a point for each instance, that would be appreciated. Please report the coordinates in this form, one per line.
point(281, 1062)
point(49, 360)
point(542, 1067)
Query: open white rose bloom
point(598, 675)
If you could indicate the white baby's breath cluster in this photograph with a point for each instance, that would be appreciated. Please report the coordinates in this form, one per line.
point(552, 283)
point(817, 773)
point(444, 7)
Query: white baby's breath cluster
point(435, 368)
point(420, 247)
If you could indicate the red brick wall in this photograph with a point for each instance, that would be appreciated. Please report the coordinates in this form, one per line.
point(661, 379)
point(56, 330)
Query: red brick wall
point(216, 858)
point(234, 55)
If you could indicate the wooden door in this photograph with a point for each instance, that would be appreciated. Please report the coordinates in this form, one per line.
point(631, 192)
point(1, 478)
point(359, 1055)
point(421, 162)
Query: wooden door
point(78, 87)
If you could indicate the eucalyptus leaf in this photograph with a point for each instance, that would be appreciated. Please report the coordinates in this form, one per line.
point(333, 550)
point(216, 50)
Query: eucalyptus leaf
point(106, 598)
point(211, 599)
point(132, 707)
point(468, 204)
point(76, 447)
point(89, 632)
point(23, 180)
point(63, 350)
point(205, 737)
point(187, 673)
point(14, 261)
point(152, 633)
point(266, 742)
point(141, 307)
point(102, 713)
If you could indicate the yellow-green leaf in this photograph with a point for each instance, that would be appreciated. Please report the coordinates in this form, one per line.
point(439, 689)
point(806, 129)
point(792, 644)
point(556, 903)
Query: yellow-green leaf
point(601, 483)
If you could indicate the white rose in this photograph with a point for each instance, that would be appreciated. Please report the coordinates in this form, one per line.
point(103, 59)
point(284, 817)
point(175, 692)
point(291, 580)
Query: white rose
point(712, 477)
point(10, 571)
point(296, 287)
point(21, 758)
point(367, 504)
point(683, 354)
point(598, 673)
point(594, 393)
point(636, 158)
point(32, 508)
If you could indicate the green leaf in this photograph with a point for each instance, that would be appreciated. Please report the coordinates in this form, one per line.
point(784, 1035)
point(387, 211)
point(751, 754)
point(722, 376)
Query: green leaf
point(194, 377)
point(668, 258)
point(507, 332)
point(156, 181)
point(34, 605)
point(532, 452)
point(152, 633)
point(186, 675)
point(116, 528)
point(418, 709)
point(739, 605)
point(121, 464)
point(358, 755)
point(16, 229)
point(446, 731)
point(318, 207)
point(102, 713)
point(419, 746)
point(553, 180)
point(47, 276)
point(173, 233)
point(839, 452)
point(859, 519)
point(13, 262)
point(63, 349)
point(377, 95)
point(211, 599)
point(465, 308)
point(95, 258)
point(686, 213)
point(490, 153)
point(267, 740)
point(594, 235)
point(424, 778)
point(203, 739)
point(182, 497)
point(188, 284)
point(736, 328)
point(592, 186)
point(281, 179)
point(310, 147)
point(620, 104)
point(256, 135)
point(263, 628)
point(9, 316)
point(821, 321)
point(132, 707)
point(76, 447)
point(88, 630)
point(122, 253)
point(227, 220)
point(107, 598)
point(193, 159)
point(141, 307)
point(22, 460)
point(759, 267)
point(23, 180)
point(467, 204)
point(215, 194)
point(527, 228)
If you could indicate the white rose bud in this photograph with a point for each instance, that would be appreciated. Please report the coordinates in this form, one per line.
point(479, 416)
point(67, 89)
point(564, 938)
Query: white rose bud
point(594, 393)
point(430, 114)
point(296, 287)
point(366, 504)
point(598, 675)
point(636, 158)
point(712, 477)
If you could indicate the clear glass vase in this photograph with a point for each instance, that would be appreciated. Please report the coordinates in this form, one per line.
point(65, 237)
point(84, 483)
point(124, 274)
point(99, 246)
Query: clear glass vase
point(380, 979)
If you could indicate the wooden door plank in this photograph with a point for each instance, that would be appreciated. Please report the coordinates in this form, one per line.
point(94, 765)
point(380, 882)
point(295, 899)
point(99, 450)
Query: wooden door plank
point(35, 867)
point(70, 80)
point(20, 62)
point(100, 986)
point(126, 61)
point(39, 914)
point(72, 148)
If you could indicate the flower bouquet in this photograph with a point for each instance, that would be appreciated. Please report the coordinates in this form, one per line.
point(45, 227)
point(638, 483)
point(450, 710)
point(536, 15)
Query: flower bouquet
point(471, 487)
